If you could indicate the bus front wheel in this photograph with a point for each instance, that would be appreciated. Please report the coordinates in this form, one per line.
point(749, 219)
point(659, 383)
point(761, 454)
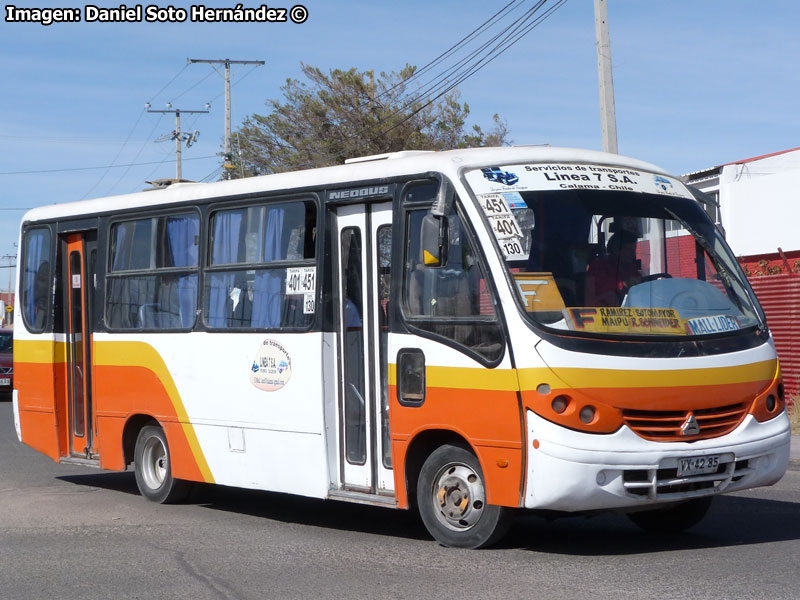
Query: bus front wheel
point(673, 519)
point(153, 469)
point(451, 496)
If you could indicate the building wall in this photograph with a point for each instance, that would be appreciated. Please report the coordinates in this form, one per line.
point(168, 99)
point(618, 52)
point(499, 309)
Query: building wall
point(760, 212)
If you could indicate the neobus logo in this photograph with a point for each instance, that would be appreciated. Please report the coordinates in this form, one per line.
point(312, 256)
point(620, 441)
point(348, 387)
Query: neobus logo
point(359, 193)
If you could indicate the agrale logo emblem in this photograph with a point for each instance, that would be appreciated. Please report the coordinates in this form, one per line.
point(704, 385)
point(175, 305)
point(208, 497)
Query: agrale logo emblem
point(690, 426)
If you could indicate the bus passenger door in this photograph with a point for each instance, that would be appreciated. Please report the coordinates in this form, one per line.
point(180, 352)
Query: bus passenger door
point(79, 283)
point(364, 249)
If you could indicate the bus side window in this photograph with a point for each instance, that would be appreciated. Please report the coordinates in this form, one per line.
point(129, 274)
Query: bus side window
point(36, 278)
point(152, 283)
point(251, 251)
point(452, 301)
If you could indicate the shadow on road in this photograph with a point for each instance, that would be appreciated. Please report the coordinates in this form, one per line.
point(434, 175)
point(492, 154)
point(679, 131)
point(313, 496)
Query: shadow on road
point(286, 508)
point(105, 480)
point(732, 520)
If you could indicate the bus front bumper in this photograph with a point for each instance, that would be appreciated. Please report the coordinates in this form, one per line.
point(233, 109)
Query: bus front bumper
point(573, 471)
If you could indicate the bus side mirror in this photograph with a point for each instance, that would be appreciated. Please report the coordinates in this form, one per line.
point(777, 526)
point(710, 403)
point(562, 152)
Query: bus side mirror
point(433, 233)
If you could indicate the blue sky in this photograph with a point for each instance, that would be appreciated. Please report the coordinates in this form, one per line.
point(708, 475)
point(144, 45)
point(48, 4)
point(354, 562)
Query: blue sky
point(697, 83)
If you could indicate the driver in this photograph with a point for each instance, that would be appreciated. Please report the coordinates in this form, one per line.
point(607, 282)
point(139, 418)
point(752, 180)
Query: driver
point(608, 278)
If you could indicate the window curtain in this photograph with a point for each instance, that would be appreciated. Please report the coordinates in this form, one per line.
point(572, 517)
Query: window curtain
point(182, 236)
point(267, 288)
point(223, 250)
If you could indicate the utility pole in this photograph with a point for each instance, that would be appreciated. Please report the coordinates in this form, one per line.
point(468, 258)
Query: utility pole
point(228, 155)
point(608, 117)
point(177, 136)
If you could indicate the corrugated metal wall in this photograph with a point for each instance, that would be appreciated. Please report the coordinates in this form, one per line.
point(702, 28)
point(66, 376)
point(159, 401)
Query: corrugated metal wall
point(780, 297)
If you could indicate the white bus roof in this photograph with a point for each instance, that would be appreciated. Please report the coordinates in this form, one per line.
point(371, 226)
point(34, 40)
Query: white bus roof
point(360, 169)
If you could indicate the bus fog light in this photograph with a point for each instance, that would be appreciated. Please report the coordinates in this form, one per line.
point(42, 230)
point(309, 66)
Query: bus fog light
point(601, 478)
point(587, 414)
point(560, 404)
point(771, 403)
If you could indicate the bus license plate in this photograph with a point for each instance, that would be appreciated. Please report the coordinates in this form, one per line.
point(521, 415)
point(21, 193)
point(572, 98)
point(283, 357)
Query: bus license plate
point(698, 465)
point(5, 381)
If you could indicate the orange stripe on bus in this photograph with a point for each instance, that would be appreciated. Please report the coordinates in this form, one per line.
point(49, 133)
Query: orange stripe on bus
point(129, 378)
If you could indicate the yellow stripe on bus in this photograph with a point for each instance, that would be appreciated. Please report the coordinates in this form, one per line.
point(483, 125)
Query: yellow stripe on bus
point(40, 351)
point(144, 355)
point(620, 378)
point(530, 379)
point(466, 378)
point(121, 354)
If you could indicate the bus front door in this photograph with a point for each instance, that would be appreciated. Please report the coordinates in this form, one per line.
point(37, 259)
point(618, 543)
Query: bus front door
point(364, 244)
point(79, 269)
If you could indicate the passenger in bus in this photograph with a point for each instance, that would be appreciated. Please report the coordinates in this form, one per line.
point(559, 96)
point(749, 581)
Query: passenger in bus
point(609, 277)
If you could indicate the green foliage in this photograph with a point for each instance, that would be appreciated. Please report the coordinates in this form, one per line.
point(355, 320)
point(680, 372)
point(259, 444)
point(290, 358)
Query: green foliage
point(344, 114)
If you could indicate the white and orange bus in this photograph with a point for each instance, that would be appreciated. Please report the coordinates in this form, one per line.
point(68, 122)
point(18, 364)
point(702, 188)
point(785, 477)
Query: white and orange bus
point(467, 332)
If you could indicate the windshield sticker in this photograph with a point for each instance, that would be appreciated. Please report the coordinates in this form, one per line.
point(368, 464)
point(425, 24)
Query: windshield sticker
point(504, 225)
point(558, 176)
point(308, 303)
point(631, 320)
point(539, 292)
point(714, 324)
point(500, 176)
point(301, 280)
point(514, 200)
point(272, 366)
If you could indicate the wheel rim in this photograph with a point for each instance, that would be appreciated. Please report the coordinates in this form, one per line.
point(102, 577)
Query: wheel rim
point(154, 459)
point(458, 497)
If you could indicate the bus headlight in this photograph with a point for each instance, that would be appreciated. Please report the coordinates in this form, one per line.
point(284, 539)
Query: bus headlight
point(571, 408)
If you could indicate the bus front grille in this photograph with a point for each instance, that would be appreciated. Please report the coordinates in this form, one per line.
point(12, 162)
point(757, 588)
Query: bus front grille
point(664, 483)
point(670, 425)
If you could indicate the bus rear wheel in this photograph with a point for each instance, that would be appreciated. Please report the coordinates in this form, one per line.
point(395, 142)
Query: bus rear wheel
point(153, 468)
point(451, 496)
point(673, 519)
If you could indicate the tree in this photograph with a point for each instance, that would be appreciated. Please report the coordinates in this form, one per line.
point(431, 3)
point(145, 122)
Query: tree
point(351, 113)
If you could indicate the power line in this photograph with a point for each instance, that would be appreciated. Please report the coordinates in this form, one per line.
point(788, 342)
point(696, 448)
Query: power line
point(443, 80)
point(178, 136)
point(168, 83)
point(94, 168)
point(125, 143)
point(443, 83)
point(418, 73)
point(483, 61)
point(141, 148)
point(227, 62)
point(190, 88)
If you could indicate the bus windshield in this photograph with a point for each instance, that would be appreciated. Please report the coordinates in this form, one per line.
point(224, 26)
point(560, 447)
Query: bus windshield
point(612, 252)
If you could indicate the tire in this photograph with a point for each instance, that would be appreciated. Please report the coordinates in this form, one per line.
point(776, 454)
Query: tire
point(673, 519)
point(154, 470)
point(451, 497)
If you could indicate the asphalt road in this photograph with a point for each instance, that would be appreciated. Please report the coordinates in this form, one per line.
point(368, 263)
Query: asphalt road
point(74, 533)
